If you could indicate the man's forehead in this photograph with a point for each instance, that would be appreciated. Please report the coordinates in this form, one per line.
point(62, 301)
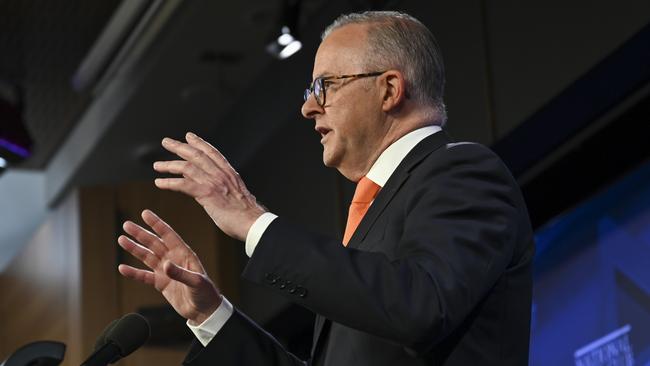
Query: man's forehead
point(341, 51)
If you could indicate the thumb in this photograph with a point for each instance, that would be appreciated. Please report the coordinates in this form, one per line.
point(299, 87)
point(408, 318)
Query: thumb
point(182, 275)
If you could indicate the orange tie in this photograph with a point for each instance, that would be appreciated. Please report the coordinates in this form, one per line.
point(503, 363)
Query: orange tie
point(363, 197)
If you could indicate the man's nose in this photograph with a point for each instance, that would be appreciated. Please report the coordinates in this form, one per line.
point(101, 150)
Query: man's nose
point(310, 107)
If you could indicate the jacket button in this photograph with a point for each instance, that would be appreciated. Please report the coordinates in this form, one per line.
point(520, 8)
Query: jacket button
point(301, 291)
point(271, 278)
point(284, 284)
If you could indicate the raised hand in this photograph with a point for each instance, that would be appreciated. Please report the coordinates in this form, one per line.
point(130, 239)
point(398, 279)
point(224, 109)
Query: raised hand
point(175, 270)
point(207, 176)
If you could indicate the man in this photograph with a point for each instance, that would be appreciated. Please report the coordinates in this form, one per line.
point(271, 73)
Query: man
point(435, 265)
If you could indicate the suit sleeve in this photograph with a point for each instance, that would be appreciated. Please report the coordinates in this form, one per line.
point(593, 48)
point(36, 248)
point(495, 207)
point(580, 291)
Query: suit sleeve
point(457, 239)
point(241, 342)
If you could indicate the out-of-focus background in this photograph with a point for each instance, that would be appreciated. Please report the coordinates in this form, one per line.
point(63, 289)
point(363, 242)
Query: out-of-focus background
point(559, 89)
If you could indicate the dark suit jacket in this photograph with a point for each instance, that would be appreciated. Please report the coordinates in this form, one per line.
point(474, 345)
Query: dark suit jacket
point(437, 273)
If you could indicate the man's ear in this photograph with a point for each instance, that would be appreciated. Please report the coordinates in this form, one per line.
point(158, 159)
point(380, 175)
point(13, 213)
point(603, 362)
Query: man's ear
point(393, 89)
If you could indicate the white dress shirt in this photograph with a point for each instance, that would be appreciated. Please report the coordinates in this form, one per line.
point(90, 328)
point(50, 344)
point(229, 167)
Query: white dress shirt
point(379, 173)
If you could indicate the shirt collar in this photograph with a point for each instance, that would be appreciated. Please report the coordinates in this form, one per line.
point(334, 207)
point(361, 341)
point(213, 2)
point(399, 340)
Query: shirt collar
point(390, 158)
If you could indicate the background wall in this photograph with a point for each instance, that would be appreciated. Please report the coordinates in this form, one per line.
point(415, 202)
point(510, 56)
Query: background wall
point(64, 284)
point(41, 289)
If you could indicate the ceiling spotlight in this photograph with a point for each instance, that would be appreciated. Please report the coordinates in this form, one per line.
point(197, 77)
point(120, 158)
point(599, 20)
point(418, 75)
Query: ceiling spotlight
point(285, 45)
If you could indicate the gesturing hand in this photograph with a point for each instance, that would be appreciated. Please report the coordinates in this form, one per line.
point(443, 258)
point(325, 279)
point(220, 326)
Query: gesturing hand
point(211, 180)
point(175, 269)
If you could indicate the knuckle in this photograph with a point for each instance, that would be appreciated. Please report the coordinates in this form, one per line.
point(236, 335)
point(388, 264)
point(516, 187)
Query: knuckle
point(224, 190)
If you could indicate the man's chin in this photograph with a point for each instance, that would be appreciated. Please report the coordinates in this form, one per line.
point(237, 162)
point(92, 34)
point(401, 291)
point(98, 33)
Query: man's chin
point(328, 160)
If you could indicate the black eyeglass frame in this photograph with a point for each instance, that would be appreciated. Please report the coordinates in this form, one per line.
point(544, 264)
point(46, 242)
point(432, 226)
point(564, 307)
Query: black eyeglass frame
point(319, 83)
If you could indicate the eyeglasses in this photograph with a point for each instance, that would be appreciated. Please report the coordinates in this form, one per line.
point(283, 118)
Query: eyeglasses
point(318, 86)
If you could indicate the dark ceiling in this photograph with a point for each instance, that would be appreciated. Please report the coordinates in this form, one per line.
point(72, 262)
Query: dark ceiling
point(42, 44)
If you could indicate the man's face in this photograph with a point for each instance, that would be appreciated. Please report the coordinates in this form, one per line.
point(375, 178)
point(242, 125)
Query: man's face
point(350, 122)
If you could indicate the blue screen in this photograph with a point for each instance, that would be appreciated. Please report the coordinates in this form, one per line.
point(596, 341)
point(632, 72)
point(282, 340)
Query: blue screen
point(591, 294)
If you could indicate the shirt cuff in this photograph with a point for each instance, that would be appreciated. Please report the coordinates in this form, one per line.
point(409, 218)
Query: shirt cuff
point(205, 331)
point(257, 230)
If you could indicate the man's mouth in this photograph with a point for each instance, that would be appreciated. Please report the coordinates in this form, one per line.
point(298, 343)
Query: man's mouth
point(322, 131)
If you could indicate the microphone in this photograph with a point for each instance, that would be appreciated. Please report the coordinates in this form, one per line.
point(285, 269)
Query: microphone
point(41, 353)
point(119, 339)
point(101, 340)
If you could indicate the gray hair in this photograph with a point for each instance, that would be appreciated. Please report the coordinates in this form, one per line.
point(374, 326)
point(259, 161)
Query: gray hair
point(398, 40)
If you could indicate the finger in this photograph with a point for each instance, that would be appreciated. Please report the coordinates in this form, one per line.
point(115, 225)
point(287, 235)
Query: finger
point(192, 155)
point(169, 235)
point(146, 238)
point(181, 167)
point(208, 149)
point(182, 275)
point(140, 275)
point(216, 156)
point(145, 255)
point(187, 186)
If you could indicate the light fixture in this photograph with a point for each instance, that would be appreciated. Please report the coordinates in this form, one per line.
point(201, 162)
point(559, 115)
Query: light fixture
point(15, 141)
point(286, 43)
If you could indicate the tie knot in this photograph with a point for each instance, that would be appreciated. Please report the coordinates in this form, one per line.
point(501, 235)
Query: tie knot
point(366, 191)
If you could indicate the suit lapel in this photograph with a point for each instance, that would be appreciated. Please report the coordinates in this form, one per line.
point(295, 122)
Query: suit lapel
point(395, 182)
